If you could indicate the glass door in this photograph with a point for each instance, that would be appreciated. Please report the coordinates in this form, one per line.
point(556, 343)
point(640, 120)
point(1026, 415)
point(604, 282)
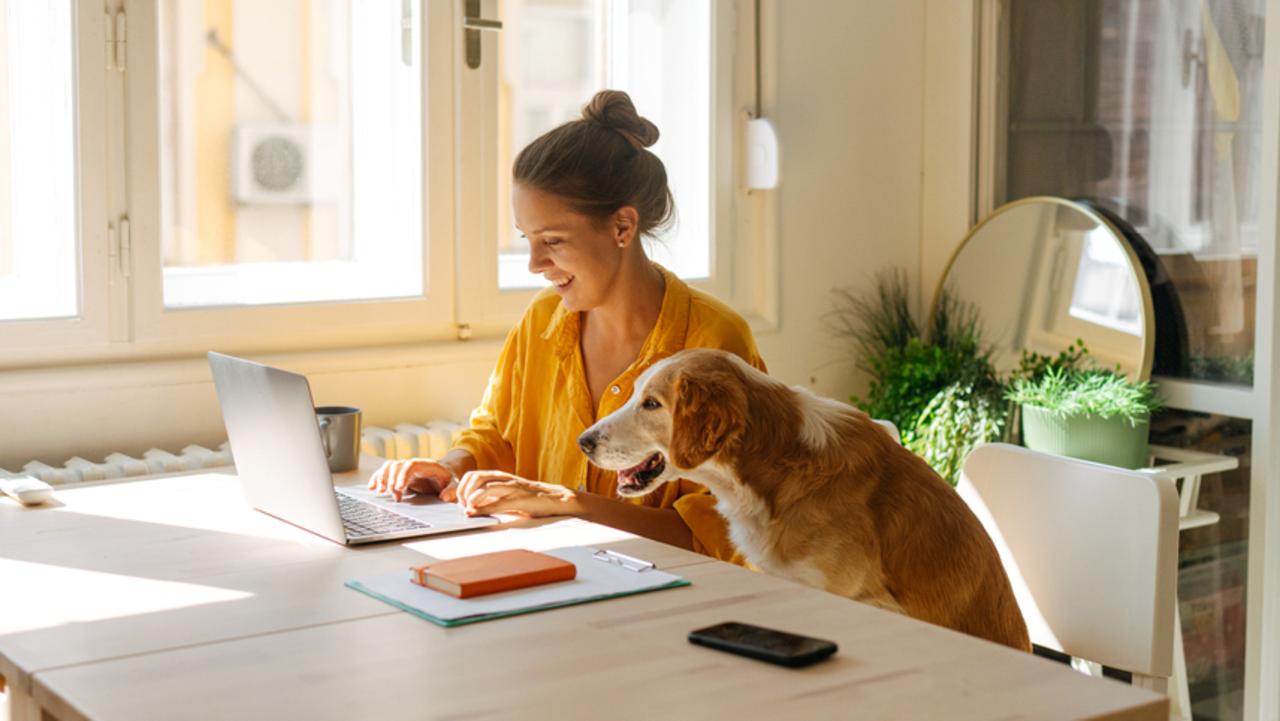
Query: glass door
point(1154, 109)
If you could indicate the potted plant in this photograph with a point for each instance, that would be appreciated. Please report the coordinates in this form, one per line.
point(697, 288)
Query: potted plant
point(940, 389)
point(1094, 414)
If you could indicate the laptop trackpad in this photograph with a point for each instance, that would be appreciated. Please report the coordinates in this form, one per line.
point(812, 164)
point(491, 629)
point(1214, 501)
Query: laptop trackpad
point(426, 508)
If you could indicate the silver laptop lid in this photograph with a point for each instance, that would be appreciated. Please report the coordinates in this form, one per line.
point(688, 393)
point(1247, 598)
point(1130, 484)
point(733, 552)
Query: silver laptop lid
point(274, 437)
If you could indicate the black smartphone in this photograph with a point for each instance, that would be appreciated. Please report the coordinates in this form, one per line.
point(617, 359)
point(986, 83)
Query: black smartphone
point(765, 644)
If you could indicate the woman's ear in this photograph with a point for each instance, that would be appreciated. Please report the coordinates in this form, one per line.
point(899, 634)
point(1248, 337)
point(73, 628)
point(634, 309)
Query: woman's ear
point(709, 411)
point(625, 222)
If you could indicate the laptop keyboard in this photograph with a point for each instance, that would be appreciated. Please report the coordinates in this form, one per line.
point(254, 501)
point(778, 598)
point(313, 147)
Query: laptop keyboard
point(362, 518)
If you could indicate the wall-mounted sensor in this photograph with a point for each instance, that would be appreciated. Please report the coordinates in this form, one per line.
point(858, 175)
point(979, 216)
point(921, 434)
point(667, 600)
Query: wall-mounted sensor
point(761, 155)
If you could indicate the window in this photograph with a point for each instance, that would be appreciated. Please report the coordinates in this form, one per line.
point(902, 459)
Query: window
point(557, 54)
point(1155, 109)
point(257, 177)
point(687, 65)
point(291, 162)
point(38, 205)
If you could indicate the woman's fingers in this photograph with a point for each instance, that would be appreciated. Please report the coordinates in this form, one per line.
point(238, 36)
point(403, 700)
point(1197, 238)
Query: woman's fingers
point(449, 493)
point(501, 505)
point(481, 497)
point(420, 475)
point(382, 478)
point(472, 480)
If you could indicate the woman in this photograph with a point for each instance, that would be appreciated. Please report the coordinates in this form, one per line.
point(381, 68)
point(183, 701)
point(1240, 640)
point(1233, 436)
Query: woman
point(584, 195)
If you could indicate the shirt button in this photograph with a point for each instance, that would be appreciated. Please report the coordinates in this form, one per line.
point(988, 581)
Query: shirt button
point(615, 390)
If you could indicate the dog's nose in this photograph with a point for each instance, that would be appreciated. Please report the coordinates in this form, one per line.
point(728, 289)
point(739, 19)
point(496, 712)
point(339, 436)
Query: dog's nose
point(587, 442)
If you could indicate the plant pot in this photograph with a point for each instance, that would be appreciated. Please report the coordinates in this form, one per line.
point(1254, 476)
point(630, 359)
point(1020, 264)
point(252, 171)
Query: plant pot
point(1092, 438)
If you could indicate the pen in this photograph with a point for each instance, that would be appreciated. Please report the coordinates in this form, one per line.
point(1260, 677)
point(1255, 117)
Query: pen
point(639, 563)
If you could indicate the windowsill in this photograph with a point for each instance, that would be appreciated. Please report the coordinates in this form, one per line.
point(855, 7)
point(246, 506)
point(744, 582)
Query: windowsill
point(195, 369)
point(101, 374)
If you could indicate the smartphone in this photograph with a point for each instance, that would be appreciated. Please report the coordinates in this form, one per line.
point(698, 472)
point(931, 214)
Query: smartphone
point(765, 644)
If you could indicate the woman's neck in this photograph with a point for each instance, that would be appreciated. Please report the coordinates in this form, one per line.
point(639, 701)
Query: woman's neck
point(632, 308)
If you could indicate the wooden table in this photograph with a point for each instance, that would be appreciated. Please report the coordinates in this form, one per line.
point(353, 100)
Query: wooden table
point(169, 599)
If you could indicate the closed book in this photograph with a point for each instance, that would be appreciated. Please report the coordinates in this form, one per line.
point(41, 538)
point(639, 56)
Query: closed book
point(493, 573)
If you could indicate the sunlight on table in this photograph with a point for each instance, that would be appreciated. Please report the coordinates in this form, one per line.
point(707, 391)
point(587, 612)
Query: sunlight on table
point(53, 596)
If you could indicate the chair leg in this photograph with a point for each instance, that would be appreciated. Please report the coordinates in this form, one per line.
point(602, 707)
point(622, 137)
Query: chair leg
point(1179, 694)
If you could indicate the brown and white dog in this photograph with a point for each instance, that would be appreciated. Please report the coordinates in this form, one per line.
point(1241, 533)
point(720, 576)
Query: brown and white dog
point(813, 490)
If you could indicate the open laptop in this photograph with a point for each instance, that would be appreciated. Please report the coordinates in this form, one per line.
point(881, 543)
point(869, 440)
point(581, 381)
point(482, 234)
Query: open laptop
point(275, 439)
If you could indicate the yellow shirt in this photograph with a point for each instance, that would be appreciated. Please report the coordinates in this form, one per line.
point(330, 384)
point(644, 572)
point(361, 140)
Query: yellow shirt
point(538, 403)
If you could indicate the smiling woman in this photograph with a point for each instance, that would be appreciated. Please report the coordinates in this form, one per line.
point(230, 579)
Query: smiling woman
point(584, 194)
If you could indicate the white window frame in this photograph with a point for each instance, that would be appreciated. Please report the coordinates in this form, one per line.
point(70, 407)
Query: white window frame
point(25, 340)
point(740, 242)
point(122, 310)
point(297, 326)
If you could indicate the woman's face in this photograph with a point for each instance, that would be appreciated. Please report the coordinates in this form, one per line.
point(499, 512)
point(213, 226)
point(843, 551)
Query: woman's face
point(578, 254)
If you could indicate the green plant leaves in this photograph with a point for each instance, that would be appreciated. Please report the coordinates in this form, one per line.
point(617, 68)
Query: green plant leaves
point(1086, 391)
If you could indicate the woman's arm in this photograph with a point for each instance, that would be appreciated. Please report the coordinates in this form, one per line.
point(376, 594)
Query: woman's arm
point(489, 492)
point(659, 524)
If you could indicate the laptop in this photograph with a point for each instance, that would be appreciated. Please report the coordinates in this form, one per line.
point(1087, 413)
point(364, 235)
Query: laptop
point(279, 456)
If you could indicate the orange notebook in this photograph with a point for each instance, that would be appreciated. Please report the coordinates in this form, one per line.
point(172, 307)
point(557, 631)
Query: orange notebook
point(493, 573)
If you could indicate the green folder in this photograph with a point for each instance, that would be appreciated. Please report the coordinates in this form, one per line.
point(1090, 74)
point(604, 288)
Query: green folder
point(597, 581)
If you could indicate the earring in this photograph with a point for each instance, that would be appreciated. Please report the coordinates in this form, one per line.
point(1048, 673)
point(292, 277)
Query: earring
point(622, 243)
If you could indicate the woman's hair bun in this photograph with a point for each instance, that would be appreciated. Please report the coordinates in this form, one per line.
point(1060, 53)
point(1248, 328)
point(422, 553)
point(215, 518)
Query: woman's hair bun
point(614, 109)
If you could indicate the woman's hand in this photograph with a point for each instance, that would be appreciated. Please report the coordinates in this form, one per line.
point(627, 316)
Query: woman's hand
point(488, 492)
point(419, 475)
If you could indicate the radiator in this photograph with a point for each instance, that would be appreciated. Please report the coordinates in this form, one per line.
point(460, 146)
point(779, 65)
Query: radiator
point(407, 440)
point(119, 465)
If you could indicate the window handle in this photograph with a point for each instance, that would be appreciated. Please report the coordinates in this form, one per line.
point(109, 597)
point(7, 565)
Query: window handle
point(473, 24)
point(481, 24)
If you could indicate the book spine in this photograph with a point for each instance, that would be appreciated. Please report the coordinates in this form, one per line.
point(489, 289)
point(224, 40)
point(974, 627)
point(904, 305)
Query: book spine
point(524, 580)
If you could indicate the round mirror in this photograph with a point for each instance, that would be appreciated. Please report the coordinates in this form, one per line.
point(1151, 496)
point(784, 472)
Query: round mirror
point(1043, 272)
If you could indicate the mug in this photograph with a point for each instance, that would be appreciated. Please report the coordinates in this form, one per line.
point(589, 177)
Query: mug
point(340, 434)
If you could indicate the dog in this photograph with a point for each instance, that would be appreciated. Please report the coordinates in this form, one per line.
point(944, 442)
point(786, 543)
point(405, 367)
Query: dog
point(813, 490)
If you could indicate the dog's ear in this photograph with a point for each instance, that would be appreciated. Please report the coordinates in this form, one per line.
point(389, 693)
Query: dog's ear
point(709, 411)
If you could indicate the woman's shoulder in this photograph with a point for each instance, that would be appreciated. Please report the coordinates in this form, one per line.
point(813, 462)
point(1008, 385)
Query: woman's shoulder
point(539, 314)
point(713, 324)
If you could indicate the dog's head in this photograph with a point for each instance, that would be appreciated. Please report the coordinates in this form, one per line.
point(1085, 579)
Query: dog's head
point(685, 411)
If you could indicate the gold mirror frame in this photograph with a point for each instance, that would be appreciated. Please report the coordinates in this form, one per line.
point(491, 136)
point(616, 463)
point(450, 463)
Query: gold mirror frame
point(1135, 265)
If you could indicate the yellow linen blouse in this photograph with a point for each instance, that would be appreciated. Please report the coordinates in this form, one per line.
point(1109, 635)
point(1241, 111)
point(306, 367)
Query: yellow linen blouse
point(537, 402)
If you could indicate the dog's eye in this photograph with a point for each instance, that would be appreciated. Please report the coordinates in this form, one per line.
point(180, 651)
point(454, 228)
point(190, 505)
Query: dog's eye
point(650, 404)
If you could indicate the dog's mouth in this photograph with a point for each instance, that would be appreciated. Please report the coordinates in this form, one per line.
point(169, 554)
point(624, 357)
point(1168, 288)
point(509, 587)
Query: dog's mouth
point(639, 476)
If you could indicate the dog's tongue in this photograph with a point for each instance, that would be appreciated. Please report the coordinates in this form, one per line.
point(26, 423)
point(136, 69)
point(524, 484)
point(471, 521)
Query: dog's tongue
point(648, 463)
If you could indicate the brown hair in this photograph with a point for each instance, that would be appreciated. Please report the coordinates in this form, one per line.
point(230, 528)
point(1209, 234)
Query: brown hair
point(600, 163)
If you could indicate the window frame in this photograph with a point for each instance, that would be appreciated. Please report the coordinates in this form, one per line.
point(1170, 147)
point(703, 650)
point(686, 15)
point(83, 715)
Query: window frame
point(740, 243)
point(28, 339)
point(294, 326)
point(121, 270)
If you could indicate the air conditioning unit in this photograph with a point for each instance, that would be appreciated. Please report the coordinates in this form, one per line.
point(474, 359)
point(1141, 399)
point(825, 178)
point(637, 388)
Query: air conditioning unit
point(284, 164)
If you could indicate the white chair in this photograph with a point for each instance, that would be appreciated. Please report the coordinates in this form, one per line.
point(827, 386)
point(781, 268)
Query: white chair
point(1091, 551)
point(891, 427)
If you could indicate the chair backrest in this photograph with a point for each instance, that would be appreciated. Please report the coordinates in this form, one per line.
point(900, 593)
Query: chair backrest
point(1091, 551)
point(891, 427)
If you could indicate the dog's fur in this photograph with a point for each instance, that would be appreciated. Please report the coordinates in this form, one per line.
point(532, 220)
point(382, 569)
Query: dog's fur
point(813, 490)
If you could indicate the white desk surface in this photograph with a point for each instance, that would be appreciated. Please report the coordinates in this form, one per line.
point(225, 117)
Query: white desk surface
point(168, 599)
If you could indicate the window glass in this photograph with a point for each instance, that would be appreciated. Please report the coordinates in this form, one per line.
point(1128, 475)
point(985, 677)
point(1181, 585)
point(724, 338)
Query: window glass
point(38, 205)
point(291, 151)
point(1213, 560)
point(557, 53)
point(1152, 108)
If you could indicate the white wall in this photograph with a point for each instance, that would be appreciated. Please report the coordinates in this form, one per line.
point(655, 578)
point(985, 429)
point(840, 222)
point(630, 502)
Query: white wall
point(849, 111)
point(848, 102)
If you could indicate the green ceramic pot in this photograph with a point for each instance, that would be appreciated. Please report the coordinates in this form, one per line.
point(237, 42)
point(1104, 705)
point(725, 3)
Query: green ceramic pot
point(1103, 440)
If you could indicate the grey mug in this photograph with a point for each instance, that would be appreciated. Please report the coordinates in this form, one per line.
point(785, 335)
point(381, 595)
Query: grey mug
point(340, 434)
